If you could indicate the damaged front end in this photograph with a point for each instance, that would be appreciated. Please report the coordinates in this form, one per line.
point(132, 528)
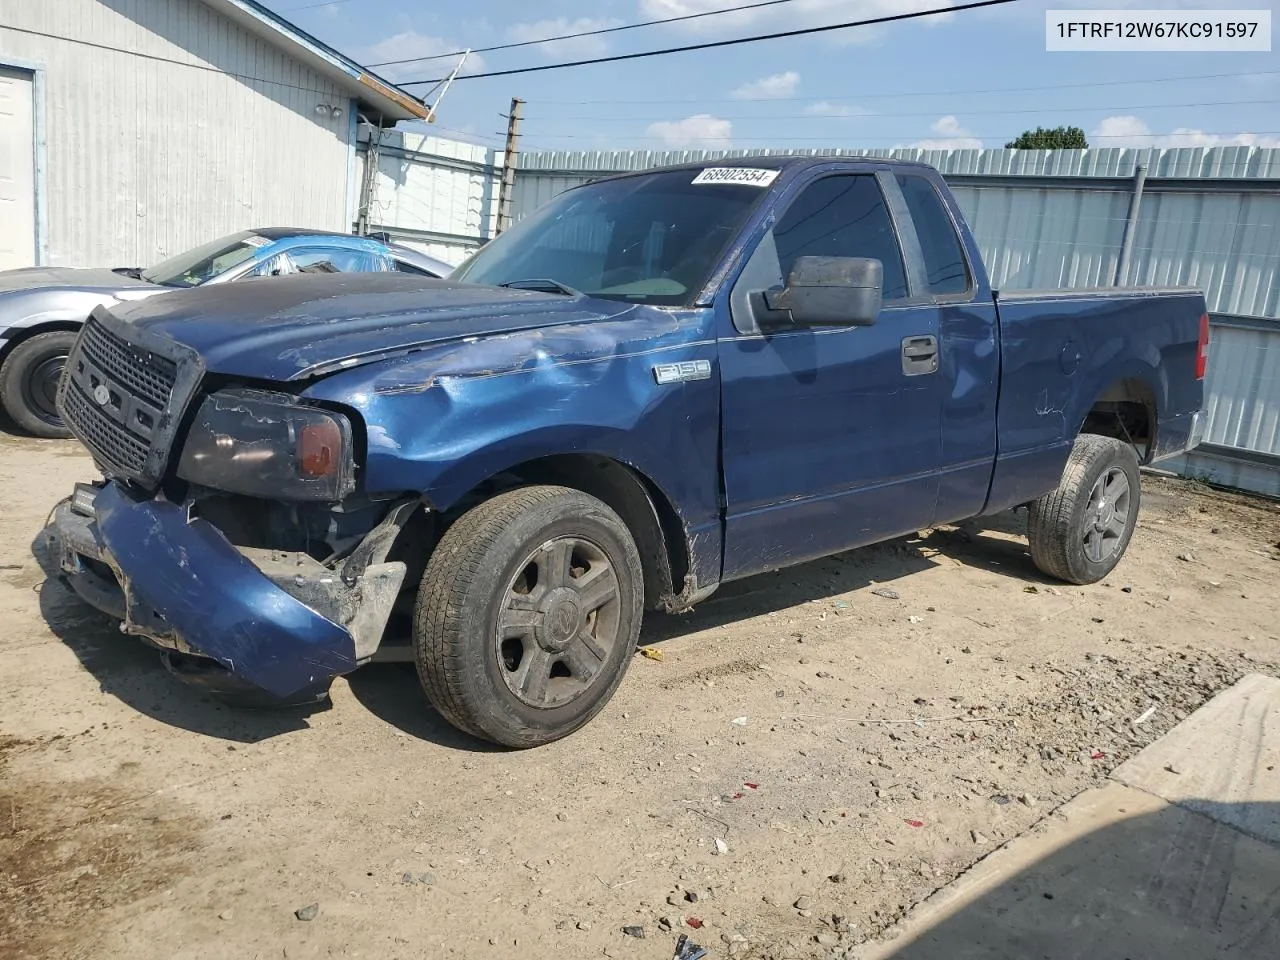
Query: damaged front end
point(281, 620)
point(229, 532)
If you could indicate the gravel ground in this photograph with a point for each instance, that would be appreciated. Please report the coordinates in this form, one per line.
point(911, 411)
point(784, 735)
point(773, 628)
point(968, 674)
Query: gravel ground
point(807, 761)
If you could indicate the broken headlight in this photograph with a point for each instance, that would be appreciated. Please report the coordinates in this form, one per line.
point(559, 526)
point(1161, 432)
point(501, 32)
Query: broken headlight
point(269, 445)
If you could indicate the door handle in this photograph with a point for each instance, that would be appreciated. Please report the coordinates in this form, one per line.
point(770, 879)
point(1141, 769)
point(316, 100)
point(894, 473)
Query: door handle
point(919, 356)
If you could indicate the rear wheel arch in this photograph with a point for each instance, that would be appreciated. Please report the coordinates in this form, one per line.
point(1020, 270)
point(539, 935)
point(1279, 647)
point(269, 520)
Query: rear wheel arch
point(1126, 410)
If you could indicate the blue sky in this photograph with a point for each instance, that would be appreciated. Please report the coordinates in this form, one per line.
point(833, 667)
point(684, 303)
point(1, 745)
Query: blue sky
point(965, 79)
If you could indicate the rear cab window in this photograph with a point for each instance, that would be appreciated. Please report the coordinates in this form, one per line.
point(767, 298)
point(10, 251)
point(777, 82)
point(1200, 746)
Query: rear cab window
point(946, 268)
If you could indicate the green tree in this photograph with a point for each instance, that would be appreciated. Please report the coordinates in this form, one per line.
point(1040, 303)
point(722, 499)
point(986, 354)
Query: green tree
point(1059, 138)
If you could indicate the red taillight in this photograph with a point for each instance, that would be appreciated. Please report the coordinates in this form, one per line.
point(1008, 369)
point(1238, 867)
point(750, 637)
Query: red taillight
point(1202, 349)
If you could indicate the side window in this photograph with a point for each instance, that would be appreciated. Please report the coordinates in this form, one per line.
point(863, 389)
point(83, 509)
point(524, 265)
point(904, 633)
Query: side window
point(943, 256)
point(842, 216)
point(336, 260)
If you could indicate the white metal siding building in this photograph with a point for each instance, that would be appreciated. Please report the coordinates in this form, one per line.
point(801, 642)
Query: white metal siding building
point(439, 196)
point(134, 129)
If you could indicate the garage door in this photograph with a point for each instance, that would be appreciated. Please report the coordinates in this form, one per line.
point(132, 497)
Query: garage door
point(17, 172)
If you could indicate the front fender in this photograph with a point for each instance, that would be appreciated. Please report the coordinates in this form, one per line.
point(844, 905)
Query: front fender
point(443, 420)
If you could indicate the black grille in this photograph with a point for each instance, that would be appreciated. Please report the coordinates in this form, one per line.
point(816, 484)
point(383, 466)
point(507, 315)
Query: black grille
point(102, 435)
point(115, 396)
point(149, 378)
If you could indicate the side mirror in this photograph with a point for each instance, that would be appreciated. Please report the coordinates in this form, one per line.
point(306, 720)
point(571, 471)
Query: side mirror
point(829, 291)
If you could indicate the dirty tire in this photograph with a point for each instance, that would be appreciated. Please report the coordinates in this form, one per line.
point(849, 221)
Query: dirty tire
point(26, 384)
point(1059, 522)
point(467, 594)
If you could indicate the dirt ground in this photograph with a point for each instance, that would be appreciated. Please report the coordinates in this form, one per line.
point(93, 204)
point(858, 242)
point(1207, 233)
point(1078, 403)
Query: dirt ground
point(852, 752)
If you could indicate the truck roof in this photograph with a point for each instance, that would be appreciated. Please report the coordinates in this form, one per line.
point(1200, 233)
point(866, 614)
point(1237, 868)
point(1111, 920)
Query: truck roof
point(786, 161)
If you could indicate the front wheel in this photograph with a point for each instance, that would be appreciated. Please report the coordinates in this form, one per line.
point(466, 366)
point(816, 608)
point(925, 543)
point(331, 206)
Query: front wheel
point(1079, 532)
point(29, 383)
point(528, 615)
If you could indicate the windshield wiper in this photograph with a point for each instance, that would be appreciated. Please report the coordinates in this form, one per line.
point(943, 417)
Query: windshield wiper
point(545, 285)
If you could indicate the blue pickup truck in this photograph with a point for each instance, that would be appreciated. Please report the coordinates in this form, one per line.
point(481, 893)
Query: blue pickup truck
point(656, 383)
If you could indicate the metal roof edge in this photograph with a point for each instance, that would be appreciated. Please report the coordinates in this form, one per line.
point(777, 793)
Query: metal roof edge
point(1238, 162)
point(383, 96)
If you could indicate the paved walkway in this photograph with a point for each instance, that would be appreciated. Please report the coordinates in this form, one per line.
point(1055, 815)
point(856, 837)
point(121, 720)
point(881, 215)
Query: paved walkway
point(1178, 858)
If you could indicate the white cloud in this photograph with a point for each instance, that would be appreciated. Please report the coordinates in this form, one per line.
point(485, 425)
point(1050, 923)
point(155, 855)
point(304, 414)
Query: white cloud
point(952, 135)
point(1115, 129)
point(699, 131)
point(1130, 131)
point(773, 87)
point(560, 27)
point(825, 108)
point(408, 44)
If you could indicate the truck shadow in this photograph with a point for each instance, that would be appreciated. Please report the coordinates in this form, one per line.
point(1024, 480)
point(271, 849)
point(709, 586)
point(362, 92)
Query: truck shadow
point(130, 670)
point(392, 693)
point(983, 544)
point(1171, 883)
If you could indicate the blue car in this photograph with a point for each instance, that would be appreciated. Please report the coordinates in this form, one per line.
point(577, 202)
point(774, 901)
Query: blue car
point(42, 308)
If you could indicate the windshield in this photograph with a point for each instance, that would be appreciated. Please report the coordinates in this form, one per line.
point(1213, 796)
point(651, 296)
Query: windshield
point(194, 267)
point(647, 239)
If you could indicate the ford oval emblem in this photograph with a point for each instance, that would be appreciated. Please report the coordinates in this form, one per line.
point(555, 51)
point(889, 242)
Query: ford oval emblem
point(101, 394)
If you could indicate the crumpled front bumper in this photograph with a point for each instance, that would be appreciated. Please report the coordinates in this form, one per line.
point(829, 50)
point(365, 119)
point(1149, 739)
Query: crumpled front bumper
point(177, 581)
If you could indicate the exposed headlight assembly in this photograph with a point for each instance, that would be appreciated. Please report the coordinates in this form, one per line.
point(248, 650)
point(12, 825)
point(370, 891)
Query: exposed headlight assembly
point(269, 445)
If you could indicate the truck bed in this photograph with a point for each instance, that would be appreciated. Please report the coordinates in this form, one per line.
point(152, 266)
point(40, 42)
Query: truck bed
point(1065, 350)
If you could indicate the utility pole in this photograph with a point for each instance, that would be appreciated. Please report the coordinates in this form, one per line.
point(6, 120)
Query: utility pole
point(1130, 226)
point(372, 160)
point(507, 188)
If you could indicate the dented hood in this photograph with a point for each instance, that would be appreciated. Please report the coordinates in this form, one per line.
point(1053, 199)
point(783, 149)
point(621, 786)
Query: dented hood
point(292, 328)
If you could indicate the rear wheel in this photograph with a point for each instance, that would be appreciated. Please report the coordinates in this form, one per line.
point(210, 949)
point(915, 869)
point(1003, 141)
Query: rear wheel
point(1079, 532)
point(29, 383)
point(528, 615)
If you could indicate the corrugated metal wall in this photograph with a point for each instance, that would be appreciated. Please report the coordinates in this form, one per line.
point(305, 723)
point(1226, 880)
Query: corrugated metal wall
point(165, 124)
point(1210, 217)
point(438, 195)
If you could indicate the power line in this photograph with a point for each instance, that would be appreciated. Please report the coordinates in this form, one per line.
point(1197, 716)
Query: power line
point(585, 33)
point(919, 93)
point(890, 18)
point(933, 113)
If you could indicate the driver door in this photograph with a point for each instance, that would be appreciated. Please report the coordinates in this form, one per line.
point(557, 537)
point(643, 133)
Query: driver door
point(831, 436)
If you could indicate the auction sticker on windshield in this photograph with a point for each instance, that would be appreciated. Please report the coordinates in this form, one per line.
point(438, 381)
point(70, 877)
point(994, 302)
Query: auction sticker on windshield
point(750, 176)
